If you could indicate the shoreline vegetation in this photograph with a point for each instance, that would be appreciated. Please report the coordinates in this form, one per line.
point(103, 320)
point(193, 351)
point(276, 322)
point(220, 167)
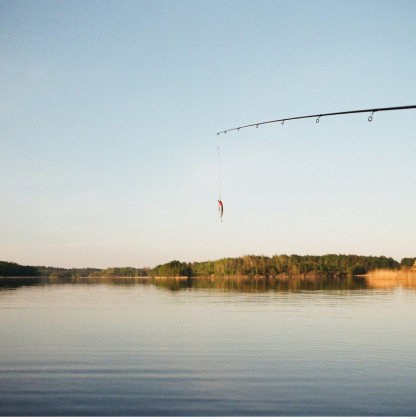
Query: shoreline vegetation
point(383, 278)
point(281, 267)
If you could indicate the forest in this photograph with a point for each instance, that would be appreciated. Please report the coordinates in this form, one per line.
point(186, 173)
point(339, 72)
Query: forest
point(121, 272)
point(251, 265)
point(248, 265)
point(11, 269)
point(92, 272)
point(50, 271)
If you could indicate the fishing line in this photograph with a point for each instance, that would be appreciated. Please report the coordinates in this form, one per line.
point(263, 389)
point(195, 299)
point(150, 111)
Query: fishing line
point(318, 116)
point(219, 172)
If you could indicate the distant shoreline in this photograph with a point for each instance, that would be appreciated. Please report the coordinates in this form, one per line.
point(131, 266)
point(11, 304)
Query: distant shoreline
point(281, 267)
point(377, 274)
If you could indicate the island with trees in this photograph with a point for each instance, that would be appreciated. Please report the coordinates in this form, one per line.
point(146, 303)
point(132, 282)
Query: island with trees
point(246, 266)
point(278, 265)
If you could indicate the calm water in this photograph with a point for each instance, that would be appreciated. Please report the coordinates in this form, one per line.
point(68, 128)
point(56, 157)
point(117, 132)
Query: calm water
point(107, 348)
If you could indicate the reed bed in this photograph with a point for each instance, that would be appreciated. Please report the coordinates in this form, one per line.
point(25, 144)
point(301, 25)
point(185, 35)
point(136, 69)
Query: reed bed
point(385, 278)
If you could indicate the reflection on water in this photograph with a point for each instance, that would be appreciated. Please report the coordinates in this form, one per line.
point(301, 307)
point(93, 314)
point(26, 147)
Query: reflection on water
point(253, 285)
point(237, 284)
point(13, 283)
point(117, 346)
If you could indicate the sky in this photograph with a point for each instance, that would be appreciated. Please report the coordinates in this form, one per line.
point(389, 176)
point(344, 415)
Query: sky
point(109, 113)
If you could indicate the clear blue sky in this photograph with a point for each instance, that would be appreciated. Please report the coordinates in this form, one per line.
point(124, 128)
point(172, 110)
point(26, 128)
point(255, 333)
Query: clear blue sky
point(108, 119)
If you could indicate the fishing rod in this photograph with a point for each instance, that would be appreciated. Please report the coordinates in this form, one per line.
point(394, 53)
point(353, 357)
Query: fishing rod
point(318, 116)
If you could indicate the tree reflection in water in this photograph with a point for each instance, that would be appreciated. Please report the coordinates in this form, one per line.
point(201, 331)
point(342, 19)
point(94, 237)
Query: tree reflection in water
point(263, 284)
point(256, 284)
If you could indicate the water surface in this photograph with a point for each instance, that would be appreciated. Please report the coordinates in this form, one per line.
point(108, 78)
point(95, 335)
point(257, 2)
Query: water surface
point(81, 347)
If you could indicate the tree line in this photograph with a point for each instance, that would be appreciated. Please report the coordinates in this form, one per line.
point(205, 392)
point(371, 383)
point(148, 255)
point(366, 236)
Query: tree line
point(408, 262)
point(11, 269)
point(50, 271)
point(251, 265)
point(248, 265)
point(122, 272)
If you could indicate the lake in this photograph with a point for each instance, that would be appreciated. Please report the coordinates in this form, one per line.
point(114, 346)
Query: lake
point(214, 347)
